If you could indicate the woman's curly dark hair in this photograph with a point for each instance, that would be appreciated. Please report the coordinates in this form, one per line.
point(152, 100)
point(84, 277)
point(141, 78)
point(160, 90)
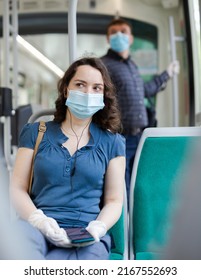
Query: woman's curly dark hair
point(109, 116)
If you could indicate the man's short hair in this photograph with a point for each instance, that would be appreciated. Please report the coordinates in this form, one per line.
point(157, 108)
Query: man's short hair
point(119, 21)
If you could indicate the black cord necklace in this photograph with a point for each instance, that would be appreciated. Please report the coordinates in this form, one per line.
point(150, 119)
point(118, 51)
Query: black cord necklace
point(78, 138)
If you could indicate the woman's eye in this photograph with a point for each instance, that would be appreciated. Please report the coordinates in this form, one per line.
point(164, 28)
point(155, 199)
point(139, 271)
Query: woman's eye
point(98, 89)
point(80, 85)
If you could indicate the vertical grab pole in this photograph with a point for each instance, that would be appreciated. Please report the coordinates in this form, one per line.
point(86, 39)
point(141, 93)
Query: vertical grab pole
point(72, 30)
point(6, 43)
point(15, 51)
point(175, 78)
point(6, 121)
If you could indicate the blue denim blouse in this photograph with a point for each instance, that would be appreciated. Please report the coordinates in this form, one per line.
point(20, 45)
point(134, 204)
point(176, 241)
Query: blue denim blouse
point(72, 200)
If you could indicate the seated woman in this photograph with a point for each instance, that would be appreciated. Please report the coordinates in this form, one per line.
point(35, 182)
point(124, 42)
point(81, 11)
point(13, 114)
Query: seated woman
point(79, 166)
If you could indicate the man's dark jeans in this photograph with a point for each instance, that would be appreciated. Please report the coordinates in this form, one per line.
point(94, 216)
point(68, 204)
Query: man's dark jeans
point(131, 147)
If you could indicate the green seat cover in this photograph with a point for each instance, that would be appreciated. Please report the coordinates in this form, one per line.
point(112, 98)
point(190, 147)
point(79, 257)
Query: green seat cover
point(159, 167)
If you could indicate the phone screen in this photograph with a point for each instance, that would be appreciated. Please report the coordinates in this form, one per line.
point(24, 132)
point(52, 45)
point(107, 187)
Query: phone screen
point(79, 235)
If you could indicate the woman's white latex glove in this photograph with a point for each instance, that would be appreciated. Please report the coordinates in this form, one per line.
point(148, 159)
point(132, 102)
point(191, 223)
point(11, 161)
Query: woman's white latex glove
point(50, 229)
point(97, 229)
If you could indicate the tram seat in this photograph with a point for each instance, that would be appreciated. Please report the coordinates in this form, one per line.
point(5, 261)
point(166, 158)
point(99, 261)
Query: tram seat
point(22, 114)
point(160, 158)
point(119, 232)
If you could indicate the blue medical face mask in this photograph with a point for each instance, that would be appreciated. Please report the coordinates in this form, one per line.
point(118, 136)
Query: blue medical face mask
point(84, 105)
point(119, 42)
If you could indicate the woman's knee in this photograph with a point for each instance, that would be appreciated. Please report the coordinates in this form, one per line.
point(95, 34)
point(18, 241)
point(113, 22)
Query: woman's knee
point(34, 240)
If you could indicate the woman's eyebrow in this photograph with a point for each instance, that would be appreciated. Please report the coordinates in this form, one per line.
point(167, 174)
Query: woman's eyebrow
point(82, 81)
point(78, 80)
point(99, 84)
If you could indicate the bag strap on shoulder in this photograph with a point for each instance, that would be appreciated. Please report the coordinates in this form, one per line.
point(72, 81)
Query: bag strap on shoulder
point(41, 131)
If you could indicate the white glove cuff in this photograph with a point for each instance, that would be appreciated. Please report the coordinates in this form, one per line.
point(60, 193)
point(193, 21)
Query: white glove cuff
point(99, 226)
point(35, 217)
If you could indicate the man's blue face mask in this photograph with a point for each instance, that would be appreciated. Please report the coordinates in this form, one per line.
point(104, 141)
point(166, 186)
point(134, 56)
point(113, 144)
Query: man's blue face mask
point(119, 42)
point(84, 105)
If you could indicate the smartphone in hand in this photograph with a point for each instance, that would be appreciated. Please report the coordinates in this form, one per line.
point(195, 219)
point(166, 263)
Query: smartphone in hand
point(79, 235)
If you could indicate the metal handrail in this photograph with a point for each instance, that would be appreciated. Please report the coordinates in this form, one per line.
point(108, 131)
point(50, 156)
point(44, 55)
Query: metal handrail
point(7, 29)
point(72, 30)
point(175, 94)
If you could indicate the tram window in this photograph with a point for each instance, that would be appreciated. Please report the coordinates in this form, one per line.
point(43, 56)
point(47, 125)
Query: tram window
point(144, 52)
point(40, 88)
point(144, 49)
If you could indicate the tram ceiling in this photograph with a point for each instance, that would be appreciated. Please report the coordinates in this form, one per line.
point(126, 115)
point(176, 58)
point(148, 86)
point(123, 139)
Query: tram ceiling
point(41, 23)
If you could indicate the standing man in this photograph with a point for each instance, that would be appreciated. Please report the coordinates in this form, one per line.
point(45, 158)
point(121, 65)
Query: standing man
point(130, 87)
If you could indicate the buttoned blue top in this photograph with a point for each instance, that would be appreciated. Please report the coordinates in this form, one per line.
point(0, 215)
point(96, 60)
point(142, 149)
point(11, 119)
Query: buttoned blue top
point(70, 200)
